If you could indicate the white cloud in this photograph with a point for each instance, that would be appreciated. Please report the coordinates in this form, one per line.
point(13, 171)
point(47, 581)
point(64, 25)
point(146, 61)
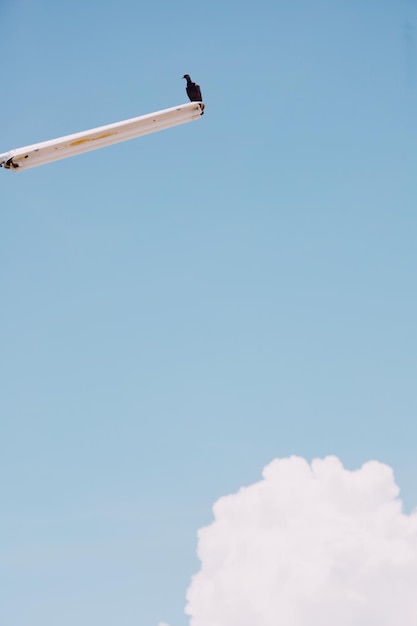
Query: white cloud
point(309, 545)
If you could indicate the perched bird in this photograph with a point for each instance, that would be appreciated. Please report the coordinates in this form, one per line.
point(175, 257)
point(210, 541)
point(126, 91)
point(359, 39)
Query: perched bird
point(193, 90)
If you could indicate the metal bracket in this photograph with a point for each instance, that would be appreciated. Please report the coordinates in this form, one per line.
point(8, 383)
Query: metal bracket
point(9, 164)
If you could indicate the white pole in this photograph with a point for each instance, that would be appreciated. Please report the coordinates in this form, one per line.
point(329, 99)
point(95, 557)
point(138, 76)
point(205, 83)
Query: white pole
point(70, 145)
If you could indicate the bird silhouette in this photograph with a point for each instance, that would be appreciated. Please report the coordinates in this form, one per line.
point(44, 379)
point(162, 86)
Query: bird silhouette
point(193, 90)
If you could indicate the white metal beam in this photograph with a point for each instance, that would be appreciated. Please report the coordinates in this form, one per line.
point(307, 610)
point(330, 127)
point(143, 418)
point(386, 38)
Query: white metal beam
point(47, 151)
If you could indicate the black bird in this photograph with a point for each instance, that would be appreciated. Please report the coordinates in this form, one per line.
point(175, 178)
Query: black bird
point(193, 90)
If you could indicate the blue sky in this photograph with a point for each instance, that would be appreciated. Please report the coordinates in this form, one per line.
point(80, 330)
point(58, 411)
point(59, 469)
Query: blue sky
point(180, 309)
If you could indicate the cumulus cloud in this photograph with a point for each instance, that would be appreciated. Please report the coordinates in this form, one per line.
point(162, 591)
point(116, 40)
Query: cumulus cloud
point(308, 545)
